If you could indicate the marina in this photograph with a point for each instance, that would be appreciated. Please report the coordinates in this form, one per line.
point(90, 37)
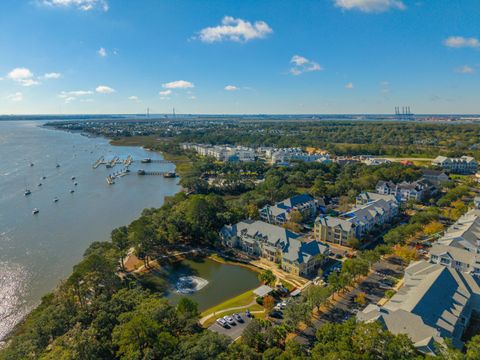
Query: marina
point(38, 250)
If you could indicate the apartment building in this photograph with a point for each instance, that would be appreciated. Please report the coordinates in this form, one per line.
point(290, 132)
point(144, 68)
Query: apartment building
point(372, 210)
point(280, 212)
point(435, 302)
point(461, 165)
point(293, 253)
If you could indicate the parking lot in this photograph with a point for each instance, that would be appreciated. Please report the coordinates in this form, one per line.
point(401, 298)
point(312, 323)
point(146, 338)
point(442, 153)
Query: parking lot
point(234, 331)
point(346, 306)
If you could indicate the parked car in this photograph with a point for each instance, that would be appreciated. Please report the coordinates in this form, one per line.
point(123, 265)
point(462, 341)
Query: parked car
point(248, 313)
point(276, 314)
point(237, 317)
point(222, 322)
point(229, 320)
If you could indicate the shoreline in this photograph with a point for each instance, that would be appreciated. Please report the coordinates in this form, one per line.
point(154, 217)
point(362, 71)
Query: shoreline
point(17, 327)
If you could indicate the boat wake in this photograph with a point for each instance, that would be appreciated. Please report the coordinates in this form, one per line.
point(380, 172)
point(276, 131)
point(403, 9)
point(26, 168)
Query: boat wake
point(190, 284)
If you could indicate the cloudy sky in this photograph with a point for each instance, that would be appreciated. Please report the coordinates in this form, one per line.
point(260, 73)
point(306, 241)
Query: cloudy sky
point(230, 56)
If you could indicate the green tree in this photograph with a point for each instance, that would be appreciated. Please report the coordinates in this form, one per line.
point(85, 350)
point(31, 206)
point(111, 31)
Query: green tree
point(297, 312)
point(267, 277)
point(119, 238)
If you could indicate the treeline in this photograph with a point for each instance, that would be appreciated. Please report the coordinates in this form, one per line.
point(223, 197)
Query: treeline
point(347, 137)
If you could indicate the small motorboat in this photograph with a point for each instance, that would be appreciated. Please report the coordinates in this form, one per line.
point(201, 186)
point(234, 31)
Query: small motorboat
point(75, 183)
point(73, 177)
point(35, 211)
point(27, 192)
point(72, 191)
point(31, 164)
point(55, 199)
point(58, 165)
point(39, 184)
point(44, 177)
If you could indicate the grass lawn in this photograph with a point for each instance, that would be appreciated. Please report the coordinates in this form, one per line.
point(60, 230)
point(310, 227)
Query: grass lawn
point(244, 300)
point(241, 300)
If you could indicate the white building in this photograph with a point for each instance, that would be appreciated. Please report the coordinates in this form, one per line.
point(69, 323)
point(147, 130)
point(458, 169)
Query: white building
point(461, 165)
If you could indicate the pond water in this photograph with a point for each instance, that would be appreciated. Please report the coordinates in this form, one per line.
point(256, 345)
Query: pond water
point(224, 281)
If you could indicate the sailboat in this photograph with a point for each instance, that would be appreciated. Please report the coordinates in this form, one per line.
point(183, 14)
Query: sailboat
point(27, 190)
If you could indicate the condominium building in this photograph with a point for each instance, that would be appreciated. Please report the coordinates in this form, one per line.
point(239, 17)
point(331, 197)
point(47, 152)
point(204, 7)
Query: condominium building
point(372, 210)
point(461, 165)
point(280, 212)
point(459, 247)
point(435, 302)
point(222, 152)
point(277, 244)
point(405, 191)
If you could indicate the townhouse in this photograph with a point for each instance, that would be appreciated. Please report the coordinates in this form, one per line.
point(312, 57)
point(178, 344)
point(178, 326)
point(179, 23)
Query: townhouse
point(293, 253)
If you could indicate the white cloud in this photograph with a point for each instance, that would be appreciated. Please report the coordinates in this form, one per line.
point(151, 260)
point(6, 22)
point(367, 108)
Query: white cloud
point(461, 42)
point(75, 93)
point(103, 89)
point(385, 87)
point(52, 75)
point(370, 6)
point(465, 69)
point(85, 5)
point(232, 29)
point(18, 96)
point(22, 76)
point(165, 92)
point(179, 84)
point(70, 96)
point(133, 98)
point(301, 64)
point(231, 88)
point(349, 85)
point(102, 52)
point(193, 97)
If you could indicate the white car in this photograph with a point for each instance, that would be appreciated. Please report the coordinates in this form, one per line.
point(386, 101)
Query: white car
point(229, 320)
point(221, 322)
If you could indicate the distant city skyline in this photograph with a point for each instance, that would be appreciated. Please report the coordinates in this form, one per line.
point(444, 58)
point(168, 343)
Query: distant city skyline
point(230, 57)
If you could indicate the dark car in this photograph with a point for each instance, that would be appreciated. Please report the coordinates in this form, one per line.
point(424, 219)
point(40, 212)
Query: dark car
point(248, 313)
point(276, 315)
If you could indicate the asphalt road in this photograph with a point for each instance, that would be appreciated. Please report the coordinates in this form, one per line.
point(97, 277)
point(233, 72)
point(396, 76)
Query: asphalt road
point(346, 307)
point(234, 331)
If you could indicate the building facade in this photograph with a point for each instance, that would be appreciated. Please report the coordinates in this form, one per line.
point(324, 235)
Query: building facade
point(459, 247)
point(276, 244)
point(280, 212)
point(405, 191)
point(372, 210)
point(461, 165)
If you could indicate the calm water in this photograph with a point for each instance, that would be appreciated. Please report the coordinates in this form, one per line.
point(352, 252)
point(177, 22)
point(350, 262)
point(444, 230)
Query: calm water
point(224, 281)
point(37, 251)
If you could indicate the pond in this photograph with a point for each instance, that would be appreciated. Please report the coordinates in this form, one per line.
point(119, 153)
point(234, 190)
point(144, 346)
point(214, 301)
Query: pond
point(206, 282)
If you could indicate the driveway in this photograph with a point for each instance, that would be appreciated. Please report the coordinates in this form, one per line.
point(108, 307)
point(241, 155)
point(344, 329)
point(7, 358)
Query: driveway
point(235, 331)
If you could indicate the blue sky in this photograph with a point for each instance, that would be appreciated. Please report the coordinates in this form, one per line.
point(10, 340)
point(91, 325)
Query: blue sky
point(263, 56)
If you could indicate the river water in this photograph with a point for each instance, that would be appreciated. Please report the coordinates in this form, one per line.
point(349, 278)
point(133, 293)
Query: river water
point(37, 251)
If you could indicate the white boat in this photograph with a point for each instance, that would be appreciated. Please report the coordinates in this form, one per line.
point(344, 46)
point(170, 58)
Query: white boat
point(27, 192)
point(35, 211)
